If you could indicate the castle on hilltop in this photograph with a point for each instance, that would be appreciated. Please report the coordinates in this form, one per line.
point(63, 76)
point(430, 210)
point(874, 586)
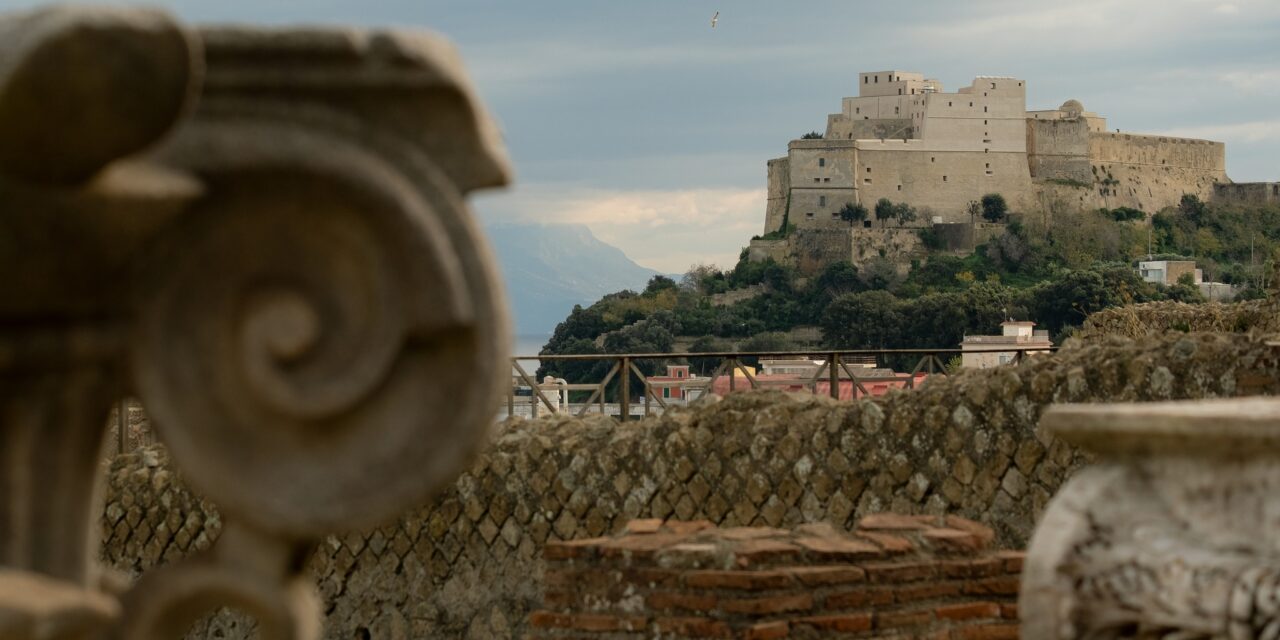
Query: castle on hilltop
point(906, 139)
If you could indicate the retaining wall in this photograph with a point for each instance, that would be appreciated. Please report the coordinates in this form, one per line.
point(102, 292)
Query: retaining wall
point(468, 565)
point(896, 576)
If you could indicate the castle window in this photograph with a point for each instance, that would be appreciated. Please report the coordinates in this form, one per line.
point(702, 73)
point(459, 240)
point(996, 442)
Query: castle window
point(933, 159)
point(948, 103)
point(988, 165)
point(1019, 84)
point(899, 187)
point(984, 94)
point(822, 162)
point(809, 214)
point(993, 85)
point(866, 79)
point(989, 172)
point(895, 109)
point(944, 178)
point(817, 179)
point(971, 104)
point(868, 169)
point(835, 215)
point(826, 179)
point(877, 79)
point(857, 111)
point(984, 122)
point(822, 200)
point(984, 109)
point(866, 181)
point(899, 91)
point(913, 92)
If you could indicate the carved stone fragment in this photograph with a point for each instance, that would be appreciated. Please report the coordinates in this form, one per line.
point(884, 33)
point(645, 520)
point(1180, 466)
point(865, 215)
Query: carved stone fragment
point(1169, 534)
point(262, 234)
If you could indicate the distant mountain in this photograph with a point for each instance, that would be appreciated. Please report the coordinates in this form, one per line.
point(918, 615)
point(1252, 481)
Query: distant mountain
point(548, 268)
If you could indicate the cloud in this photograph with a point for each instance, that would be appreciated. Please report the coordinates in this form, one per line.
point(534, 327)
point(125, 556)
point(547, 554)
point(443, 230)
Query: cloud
point(668, 230)
point(1263, 81)
point(1256, 132)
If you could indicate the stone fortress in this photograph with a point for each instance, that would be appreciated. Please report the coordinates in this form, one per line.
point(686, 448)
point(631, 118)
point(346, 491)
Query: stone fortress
point(906, 139)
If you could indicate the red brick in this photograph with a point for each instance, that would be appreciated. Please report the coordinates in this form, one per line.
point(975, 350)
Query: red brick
point(968, 611)
point(952, 540)
point(927, 591)
point(982, 531)
point(839, 548)
point(983, 567)
point(664, 600)
point(955, 568)
point(900, 571)
point(645, 525)
point(693, 627)
point(586, 621)
point(1003, 586)
point(686, 527)
point(987, 632)
point(1009, 611)
point(640, 546)
point(1012, 560)
point(859, 599)
point(890, 543)
point(845, 623)
point(820, 576)
point(768, 630)
point(768, 605)
point(751, 552)
point(745, 580)
point(750, 533)
point(572, 549)
point(547, 619)
point(900, 619)
point(894, 521)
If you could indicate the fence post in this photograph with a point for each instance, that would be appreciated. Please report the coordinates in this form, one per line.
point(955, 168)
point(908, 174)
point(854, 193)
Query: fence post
point(625, 396)
point(733, 374)
point(833, 375)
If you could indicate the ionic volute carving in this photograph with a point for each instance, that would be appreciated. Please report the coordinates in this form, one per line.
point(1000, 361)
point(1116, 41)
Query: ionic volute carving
point(262, 235)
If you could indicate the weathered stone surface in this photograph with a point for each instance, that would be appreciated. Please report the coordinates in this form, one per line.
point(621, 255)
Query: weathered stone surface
point(1170, 534)
point(463, 577)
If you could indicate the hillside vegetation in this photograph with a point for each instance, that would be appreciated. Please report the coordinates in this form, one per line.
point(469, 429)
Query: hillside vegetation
point(1053, 269)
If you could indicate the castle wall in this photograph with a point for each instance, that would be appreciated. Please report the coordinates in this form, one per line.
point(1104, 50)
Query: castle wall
point(779, 189)
point(1059, 149)
point(812, 249)
point(1247, 193)
point(939, 182)
point(821, 180)
point(1157, 151)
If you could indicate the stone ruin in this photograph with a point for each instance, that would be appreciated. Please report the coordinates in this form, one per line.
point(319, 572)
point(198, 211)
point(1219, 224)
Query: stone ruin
point(263, 236)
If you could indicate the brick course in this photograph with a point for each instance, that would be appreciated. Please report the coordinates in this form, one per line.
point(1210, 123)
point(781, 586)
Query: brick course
point(902, 584)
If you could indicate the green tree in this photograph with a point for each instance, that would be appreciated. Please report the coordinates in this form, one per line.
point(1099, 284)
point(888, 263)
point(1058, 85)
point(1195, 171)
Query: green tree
point(658, 284)
point(707, 344)
point(904, 213)
point(884, 210)
point(853, 213)
point(994, 208)
point(867, 320)
point(812, 135)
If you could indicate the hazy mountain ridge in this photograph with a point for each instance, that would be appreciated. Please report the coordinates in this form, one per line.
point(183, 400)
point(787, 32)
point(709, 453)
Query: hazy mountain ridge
point(548, 268)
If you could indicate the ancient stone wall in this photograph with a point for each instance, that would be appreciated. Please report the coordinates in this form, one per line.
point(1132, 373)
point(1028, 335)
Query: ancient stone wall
point(468, 564)
point(779, 191)
point(811, 250)
point(898, 245)
point(1059, 149)
point(761, 250)
point(895, 576)
point(1249, 193)
point(1261, 317)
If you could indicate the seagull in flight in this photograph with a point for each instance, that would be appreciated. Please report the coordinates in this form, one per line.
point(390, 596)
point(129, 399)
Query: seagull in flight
point(714, 18)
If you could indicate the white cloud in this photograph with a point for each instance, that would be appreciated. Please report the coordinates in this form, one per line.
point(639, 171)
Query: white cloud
point(1255, 132)
point(1227, 9)
point(668, 230)
point(1263, 81)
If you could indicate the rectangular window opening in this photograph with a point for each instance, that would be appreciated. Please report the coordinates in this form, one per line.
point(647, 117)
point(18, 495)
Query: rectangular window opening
point(822, 200)
point(899, 187)
point(866, 181)
point(822, 162)
point(944, 178)
point(826, 179)
point(808, 214)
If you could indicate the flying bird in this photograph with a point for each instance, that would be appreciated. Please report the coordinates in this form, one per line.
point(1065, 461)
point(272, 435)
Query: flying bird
point(714, 19)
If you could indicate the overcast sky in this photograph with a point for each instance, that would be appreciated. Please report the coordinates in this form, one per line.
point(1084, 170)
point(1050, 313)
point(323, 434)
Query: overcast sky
point(641, 121)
